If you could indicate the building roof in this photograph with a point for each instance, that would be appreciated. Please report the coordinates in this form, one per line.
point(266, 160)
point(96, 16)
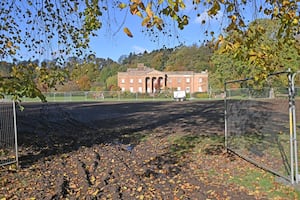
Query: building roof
point(140, 70)
point(174, 73)
point(144, 70)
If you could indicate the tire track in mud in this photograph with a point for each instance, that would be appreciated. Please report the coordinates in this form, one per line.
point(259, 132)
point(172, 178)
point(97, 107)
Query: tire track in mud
point(117, 152)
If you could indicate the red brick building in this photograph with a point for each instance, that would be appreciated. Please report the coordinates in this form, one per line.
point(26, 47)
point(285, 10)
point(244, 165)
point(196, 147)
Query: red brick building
point(147, 80)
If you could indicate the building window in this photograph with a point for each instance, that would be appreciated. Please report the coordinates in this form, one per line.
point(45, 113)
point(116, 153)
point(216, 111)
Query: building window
point(140, 89)
point(200, 80)
point(140, 80)
point(188, 80)
point(131, 80)
point(179, 80)
point(123, 80)
point(187, 89)
point(200, 89)
point(131, 89)
point(178, 88)
point(123, 89)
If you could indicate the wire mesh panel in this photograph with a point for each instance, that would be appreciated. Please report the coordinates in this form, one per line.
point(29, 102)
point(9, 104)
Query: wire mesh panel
point(8, 134)
point(257, 126)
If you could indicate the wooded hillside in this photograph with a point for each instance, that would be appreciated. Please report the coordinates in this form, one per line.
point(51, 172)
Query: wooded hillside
point(101, 74)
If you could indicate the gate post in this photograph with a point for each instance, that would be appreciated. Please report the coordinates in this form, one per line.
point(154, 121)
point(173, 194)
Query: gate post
point(294, 126)
point(291, 102)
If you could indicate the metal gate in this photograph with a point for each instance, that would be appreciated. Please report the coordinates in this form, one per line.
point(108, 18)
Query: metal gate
point(8, 133)
point(260, 123)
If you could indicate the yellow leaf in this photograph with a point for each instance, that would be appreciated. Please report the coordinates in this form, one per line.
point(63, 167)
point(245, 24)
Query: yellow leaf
point(285, 2)
point(233, 18)
point(96, 192)
point(295, 21)
point(214, 9)
point(139, 189)
point(138, 13)
point(134, 9)
point(128, 32)
point(182, 5)
point(136, 1)
point(252, 59)
point(236, 45)
point(145, 21)
point(142, 6)
point(9, 44)
point(252, 52)
point(149, 10)
point(93, 179)
point(158, 27)
point(230, 7)
point(221, 38)
point(122, 5)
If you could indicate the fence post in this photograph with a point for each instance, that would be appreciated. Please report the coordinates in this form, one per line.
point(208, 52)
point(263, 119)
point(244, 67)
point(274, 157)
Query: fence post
point(16, 133)
point(291, 107)
point(225, 116)
point(294, 126)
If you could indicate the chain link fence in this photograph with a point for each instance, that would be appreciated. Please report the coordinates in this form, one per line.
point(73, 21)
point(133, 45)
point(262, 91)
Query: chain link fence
point(258, 123)
point(85, 96)
point(8, 133)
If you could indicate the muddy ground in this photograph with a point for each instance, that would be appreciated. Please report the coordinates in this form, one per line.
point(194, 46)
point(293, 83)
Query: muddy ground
point(137, 150)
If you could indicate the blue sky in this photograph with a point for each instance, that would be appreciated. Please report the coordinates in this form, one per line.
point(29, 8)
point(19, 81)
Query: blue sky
point(112, 42)
point(115, 44)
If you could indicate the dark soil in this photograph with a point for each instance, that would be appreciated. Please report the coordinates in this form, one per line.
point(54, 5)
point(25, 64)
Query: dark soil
point(142, 150)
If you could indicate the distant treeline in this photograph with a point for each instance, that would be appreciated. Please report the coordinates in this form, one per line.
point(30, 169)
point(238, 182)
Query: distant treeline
point(99, 74)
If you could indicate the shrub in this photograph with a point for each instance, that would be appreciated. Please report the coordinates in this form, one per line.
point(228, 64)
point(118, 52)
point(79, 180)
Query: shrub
point(201, 95)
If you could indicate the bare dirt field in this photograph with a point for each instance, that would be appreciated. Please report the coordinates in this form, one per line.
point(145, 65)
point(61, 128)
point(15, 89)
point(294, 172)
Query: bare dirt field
point(136, 150)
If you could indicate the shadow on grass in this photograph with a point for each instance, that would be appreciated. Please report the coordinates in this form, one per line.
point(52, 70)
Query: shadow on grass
point(52, 129)
point(259, 130)
point(209, 144)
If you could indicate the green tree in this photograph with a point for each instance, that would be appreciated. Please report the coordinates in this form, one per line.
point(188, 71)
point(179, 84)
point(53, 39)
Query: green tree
point(24, 80)
point(192, 58)
point(35, 24)
point(84, 83)
point(5, 68)
point(264, 57)
point(112, 82)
